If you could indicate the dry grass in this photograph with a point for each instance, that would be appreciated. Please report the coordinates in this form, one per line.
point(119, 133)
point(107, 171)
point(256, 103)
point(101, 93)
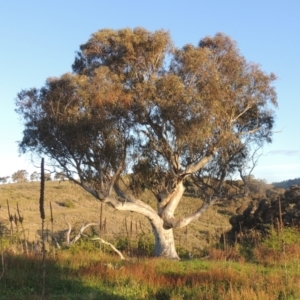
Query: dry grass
point(74, 204)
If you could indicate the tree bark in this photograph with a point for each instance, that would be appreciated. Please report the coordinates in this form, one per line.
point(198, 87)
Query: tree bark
point(164, 242)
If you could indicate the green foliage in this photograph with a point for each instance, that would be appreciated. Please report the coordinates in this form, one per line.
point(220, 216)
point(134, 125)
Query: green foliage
point(122, 243)
point(83, 245)
point(146, 244)
point(5, 243)
point(278, 240)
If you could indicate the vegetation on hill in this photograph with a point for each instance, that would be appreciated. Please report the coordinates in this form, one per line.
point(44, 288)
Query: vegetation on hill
point(255, 268)
point(73, 204)
point(287, 183)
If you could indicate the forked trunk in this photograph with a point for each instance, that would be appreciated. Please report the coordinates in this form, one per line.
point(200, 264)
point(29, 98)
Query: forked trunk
point(164, 238)
point(164, 242)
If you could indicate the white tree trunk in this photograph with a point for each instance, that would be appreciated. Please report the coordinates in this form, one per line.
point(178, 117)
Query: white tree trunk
point(164, 242)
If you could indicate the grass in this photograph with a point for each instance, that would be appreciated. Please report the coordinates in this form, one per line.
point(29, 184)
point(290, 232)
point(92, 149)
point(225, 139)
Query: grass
point(98, 275)
point(77, 206)
point(268, 269)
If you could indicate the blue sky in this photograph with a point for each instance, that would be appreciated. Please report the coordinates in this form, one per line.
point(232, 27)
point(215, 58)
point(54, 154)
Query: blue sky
point(39, 40)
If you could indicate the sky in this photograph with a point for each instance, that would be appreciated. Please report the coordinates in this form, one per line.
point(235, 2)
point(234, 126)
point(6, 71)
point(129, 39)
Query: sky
point(40, 38)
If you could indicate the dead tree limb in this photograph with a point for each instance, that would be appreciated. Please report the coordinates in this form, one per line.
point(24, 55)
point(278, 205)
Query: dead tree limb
point(80, 233)
point(111, 245)
point(56, 242)
point(69, 232)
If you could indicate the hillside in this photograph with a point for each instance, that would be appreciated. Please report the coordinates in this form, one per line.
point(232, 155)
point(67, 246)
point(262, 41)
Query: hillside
point(71, 203)
point(287, 183)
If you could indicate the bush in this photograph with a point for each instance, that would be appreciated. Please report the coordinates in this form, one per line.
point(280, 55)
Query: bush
point(86, 245)
point(146, 244)
point(68, 203)
point(122, 243)
point(286, 237)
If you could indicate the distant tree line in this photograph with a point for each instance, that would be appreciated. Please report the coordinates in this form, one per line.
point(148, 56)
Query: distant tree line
point(23, 176)
point(287, 183)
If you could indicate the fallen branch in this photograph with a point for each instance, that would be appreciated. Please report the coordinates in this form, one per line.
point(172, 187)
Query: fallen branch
point(78, 236)
point(56, 242)
point(69, 232)
point(80, 233)
point(111, 245)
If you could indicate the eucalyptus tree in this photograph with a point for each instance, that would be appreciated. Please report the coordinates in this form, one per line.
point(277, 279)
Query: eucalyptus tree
point(60, 176)
point(138, 108)
point(4, 179)
point(20, 176)
point(35, 176)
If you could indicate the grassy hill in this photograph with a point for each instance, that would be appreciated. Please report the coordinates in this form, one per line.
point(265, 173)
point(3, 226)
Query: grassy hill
point(71, 203)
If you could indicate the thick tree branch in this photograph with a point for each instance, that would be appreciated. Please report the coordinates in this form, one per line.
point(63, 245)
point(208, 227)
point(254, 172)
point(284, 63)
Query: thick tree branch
point(168, 207)
point(122, 194)
point(179, 223)
point(194, 167)
point(137, 206)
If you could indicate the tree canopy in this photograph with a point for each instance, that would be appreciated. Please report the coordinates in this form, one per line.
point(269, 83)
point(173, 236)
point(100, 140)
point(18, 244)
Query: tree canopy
point(135, 104)
point(20, 176)
point(4, 179)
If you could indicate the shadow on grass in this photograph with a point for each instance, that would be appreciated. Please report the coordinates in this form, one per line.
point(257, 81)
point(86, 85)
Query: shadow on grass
point(22, 280)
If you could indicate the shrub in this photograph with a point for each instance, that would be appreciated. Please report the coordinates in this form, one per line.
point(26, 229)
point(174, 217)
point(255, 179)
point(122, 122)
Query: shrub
point(68, 203)
point(146, 244)
point(277, 240)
